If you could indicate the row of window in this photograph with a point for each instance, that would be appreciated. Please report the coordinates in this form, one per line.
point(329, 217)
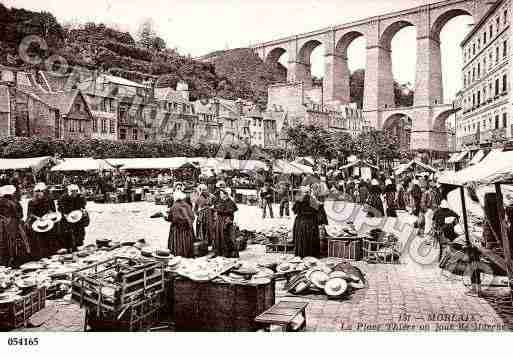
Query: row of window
point(480, 97)
point(104, 105)
point(486, 124)
point(487, 35)
point(123, 132)
point(76, 125)
point(104, 125)
point(177, 107)
point(474, 75)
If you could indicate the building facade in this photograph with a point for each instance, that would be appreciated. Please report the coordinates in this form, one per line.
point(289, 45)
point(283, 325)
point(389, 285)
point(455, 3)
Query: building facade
point(296, 104)
point(485, 115)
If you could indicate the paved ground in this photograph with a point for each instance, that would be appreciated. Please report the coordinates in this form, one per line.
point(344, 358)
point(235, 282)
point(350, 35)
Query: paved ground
point(407, 296)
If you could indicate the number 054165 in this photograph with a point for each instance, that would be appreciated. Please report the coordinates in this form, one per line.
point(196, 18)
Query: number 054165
point(22, 341)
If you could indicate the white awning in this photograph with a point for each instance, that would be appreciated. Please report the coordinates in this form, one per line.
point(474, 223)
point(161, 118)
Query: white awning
point(458, 157)
point(477, 157)
point(34, 163)
point(82, 164)
point(496, 167)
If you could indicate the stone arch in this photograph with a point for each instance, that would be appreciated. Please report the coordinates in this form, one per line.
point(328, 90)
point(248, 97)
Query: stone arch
point(274, 55)
point(345, 41)
point(399, 125)
point(390, 31)
point(444, 18)
point(306, 50)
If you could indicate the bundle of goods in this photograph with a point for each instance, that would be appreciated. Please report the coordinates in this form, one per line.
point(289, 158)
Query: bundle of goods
point(334, 280)
point(343, 242)
point(347, 230)
point(21, 295)
point(381, 247)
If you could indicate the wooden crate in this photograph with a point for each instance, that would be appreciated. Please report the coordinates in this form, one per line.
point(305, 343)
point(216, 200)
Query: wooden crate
point(136, 280)
point(214, 306)
point(16, 314)
point(140, 316)
point(346, 248)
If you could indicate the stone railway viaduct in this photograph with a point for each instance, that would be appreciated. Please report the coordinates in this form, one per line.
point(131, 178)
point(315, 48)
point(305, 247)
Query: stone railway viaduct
point(429, 111)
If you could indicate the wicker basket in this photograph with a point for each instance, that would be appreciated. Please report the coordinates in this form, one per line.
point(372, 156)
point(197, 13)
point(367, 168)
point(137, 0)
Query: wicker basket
point(16, 314)
point(379, 252)
point(345, 248)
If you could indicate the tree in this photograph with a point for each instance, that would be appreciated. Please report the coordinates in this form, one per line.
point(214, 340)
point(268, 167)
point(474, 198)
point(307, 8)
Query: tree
point(158, 44)
point(375, 146)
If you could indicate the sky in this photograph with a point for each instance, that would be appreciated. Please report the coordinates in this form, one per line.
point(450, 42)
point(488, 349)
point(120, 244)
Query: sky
point(197, 27)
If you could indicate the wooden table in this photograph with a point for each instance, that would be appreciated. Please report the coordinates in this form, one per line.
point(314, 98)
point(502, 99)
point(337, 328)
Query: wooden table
point(283, 314)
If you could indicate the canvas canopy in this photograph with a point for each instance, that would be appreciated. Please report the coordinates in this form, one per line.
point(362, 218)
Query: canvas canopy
point(358, 163)
point(414, 165)
point(154, 163)
point(496, 167)
point(82, 164)
point(307, 161)
point(34, 163)
point(281, 166)
point(477, 157)
point(458, 157)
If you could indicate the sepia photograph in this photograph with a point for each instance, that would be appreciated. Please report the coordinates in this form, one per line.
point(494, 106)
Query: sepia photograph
point(255, 166)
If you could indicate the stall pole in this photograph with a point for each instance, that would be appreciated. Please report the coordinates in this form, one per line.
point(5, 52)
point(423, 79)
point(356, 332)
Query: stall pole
point(475, 275)
point(506, 241)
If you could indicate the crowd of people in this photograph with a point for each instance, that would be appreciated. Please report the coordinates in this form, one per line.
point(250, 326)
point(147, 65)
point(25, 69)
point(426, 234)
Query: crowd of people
point(205, 218)
point(48, 227)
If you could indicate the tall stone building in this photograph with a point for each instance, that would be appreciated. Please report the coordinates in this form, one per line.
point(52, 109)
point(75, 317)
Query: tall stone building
point(298, 104)
point(485, 116)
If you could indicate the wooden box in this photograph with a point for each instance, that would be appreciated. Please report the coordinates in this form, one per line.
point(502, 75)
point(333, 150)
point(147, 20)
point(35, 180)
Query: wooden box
point(212, 306)
point(93, 286)
point(16, 314)
point(345, 248)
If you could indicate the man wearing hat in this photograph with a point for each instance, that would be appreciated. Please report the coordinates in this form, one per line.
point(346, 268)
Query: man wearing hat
point(44, 243)
point(14, 244)
point(72, 205)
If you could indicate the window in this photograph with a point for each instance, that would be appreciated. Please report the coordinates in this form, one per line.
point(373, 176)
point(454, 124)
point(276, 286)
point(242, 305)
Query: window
point(478, 98)
point(491, 32)
point(112, 126)
point(112, 106)
point(497, 53)
point(505, 120)
point(505, 17)
point(478, 70)
point(104, 125)
point(505, 83)
point(484, 38)
point(474, 74)
point(80, 126)
point(78, 108)
point(497, 86)
point(134, 134)
point(473, 100)
point(497, 122)
point(95, 125)
point(473, 48)
point(505, 49)
point(122, 133)
point(103, 104)
point(498, 23)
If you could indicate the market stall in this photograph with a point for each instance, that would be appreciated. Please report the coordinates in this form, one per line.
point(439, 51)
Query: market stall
point(496, 171)
point(30, 170)
point(414, 166)
point(359, 168)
